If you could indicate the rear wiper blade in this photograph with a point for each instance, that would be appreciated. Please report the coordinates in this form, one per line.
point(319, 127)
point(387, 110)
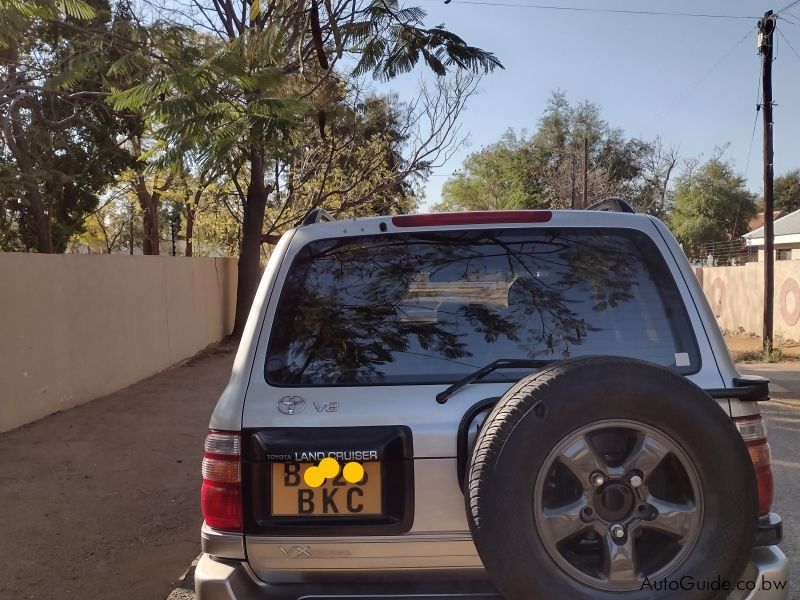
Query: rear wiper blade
point(500, 363)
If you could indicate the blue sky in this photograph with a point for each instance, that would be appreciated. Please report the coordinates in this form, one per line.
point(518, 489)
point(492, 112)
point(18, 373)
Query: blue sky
point(651, 75)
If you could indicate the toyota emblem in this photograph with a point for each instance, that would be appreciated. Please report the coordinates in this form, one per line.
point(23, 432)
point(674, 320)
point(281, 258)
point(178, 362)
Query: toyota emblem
point(291, 405)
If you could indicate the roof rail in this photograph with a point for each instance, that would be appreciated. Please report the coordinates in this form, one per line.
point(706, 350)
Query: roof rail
point(612, 204)
point(315, 215)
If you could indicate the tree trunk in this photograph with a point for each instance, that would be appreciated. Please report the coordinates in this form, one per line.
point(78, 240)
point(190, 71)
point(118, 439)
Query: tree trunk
point(38, 217)
point(149, 204)
point(191, 211)
point(41, 221)
point(189, 228)
point(250, 250)
point(151, 243)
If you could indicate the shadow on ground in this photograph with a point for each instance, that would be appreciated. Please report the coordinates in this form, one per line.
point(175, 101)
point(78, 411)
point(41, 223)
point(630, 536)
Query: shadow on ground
point(102, 501)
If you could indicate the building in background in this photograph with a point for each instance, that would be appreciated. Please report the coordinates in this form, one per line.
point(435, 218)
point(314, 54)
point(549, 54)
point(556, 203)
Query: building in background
point(787, 237)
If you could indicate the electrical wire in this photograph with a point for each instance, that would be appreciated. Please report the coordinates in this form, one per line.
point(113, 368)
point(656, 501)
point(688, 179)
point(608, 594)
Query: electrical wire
point(598, 10)
point(789, 21)
point(788, 43)
point(788, 6)
point(705, 75)
point(755, 122)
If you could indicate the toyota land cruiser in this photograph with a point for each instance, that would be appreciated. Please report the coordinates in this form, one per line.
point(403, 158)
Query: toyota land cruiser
point(519, 404)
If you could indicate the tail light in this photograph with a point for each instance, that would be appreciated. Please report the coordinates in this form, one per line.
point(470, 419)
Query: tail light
point(754, 434)
point(221, 494)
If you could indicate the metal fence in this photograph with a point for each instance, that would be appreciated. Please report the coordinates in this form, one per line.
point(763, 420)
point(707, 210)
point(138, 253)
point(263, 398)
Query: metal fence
point(723, 254)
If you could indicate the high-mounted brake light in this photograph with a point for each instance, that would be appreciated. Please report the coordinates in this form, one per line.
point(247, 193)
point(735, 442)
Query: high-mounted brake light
point(473, 218)
point(221, 495)
point(754, 434)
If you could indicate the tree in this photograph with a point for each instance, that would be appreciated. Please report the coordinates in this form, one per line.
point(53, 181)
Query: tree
point(374, 151)
point(711, 204)
point(59, 136)
point(240, 97)
point(108, 229)
point(658, 168)
point(615, 163)
point(787, 191)
point(493, 178)
point(543, 169)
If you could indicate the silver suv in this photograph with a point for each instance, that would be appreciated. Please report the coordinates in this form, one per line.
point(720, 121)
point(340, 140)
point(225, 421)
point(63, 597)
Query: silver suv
point(518, 404)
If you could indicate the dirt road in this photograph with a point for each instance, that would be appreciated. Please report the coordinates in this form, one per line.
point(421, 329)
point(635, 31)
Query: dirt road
point(102, 501)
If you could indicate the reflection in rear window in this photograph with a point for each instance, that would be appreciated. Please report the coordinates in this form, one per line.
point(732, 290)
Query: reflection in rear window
point(433, 307)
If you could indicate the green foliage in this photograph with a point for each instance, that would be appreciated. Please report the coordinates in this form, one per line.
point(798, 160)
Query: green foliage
point(542, 170)
point(711, 204)
point(787, 191)
point(253, 101)
point(18, 16)
point(495, 178)
point(216, 98)
point(771, 354)
point(107, 230)
point(390, 42)
point(60, 148)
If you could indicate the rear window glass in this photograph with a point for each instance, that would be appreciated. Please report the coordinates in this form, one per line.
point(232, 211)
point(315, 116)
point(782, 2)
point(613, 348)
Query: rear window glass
point(420, 308)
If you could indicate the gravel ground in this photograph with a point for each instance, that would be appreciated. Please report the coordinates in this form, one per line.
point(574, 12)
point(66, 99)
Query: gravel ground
point(102, 501)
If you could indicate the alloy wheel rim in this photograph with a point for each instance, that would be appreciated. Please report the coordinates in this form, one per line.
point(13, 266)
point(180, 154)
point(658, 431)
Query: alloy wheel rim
point(633, 509)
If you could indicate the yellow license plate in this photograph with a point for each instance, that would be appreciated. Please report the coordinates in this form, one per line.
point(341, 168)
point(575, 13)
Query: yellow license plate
point(291, 497)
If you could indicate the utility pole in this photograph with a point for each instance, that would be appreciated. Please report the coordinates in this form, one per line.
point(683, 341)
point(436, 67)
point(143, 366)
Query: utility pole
point(585, 168)
point(572, 179)
point(766, 28)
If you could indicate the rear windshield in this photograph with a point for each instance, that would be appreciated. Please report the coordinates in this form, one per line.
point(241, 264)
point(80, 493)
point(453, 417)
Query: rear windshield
point(421, 308)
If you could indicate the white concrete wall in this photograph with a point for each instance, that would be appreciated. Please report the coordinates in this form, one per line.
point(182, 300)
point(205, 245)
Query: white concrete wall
point(76, 327)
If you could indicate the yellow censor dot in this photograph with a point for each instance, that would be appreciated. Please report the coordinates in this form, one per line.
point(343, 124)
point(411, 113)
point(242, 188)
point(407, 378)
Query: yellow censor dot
point(313, 477)
point(353, 472)
point(329, 467)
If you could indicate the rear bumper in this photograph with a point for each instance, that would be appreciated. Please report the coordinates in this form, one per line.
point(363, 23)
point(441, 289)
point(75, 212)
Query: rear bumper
point(218, 579)
point(222, 579)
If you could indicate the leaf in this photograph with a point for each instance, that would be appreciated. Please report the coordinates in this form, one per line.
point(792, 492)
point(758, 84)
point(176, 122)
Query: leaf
point(77, 9)
point(80, 67)
point(127, 65)
point(337, 34)
point(139, 96)
point(255, 10)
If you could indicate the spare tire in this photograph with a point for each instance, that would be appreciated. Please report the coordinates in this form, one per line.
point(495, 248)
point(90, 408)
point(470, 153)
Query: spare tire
point(610, 477)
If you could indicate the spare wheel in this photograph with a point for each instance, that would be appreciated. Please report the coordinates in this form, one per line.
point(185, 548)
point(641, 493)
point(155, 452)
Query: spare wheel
point(607, 477)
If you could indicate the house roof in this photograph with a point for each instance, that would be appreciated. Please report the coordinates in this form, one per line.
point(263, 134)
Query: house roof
point(788, 225)
point(758, 220)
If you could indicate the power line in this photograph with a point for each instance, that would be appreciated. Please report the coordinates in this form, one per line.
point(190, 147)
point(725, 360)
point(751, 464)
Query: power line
point(788, 6)
point(788, 43)
point(755, 124)
point(705, 75)
point(789, 21)
point(600, 10)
